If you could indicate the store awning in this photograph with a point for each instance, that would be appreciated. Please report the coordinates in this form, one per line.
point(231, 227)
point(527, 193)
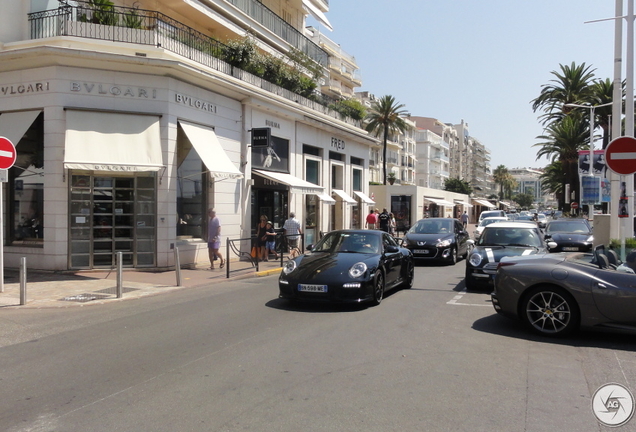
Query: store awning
point(317, 13)
point(14, 125)
point(295, 184)
point(112, 142)
point(484, 203)
point(344, 196)
point(325, 198)
point(507, 204)
point(365, 199)
point(464, 203)
point(439, 201)
point(209, 149)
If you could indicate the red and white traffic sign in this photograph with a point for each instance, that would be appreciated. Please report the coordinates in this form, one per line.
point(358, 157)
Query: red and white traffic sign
point(7, 153)
point(574, 205)
point(620, 155)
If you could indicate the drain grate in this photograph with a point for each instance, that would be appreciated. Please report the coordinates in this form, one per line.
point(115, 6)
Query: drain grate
point(86, 297)
point(113, 291)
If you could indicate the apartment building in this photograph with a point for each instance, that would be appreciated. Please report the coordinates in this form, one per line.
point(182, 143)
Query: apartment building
point(131, 120)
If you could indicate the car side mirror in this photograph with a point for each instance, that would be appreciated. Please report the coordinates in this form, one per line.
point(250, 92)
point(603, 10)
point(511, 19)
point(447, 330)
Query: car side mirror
point(309, 247)
point(471, 242)
point(552, 245)
point(391, 248)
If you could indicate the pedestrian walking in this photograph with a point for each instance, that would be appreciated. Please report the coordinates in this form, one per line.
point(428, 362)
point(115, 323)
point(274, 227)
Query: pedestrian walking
point(392, 224)
point(214, 239)
point(292, 231)
point(465, 219)
point(261, 238)
point(371, 219)
point(384, 220)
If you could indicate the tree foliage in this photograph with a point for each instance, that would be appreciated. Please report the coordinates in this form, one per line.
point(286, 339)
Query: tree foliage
point(458, 185)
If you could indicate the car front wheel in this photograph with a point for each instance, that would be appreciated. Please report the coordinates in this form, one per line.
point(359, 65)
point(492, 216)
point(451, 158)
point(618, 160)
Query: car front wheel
point(378, 289)
point(550, 311)
point(410, 275)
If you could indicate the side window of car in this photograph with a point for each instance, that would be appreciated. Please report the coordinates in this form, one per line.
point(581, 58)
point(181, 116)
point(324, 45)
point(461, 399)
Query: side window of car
point(387, 240)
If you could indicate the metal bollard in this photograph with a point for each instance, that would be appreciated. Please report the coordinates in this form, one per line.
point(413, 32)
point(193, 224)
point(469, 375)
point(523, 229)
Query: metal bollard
point(120, 278)
point(23, 281)
point(177, 265)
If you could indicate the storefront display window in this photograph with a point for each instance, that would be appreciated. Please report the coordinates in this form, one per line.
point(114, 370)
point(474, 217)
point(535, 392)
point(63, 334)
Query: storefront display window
point(191, 186)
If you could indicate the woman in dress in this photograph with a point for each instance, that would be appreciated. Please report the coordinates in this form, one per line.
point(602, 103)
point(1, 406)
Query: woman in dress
point(261, 238)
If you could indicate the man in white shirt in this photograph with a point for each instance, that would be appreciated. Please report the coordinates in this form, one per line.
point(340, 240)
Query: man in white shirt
point(292, 231)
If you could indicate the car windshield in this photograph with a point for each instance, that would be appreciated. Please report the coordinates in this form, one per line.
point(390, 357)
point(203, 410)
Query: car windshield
point(347, 242)
point(567, 227)
point(488, 221)
point(495, 236)
point(432, 226)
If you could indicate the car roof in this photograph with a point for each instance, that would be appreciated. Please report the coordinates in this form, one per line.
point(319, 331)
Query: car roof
point(500, 225)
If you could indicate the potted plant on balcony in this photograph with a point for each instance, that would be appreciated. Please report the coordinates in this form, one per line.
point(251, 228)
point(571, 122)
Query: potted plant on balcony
point(390, 177)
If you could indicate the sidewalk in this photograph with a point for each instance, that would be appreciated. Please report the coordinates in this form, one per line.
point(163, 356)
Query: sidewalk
point(69, 289)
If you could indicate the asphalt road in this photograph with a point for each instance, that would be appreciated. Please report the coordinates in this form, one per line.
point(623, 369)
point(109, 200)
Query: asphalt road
point(233, 357)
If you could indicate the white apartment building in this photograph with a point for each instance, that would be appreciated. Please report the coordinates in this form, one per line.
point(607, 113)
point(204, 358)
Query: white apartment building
point(528, 182)
point(130, 122)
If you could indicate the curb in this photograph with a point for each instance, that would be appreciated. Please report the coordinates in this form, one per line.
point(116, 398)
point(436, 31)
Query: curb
point(268, 272)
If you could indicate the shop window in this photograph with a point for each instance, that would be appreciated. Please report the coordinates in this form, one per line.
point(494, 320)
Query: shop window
point(191, 190)
point(25, 199)
point(357, 179)
point(312, 171)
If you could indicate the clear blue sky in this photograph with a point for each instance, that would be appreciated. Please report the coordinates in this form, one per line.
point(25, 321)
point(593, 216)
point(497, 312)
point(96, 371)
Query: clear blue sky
point(480, 61)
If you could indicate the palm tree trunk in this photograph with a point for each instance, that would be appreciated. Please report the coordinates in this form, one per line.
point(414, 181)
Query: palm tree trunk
point(384, 152)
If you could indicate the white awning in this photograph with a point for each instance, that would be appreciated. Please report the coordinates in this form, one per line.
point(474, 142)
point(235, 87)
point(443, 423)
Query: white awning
point(317, 13)
point(464, 203)
point(365, 199)
point(295, 184)
point(344, 196)
point(507, 204)
point(112, 142)
point(484, 203)
point(439, 201)
point(207, 145)
point(14, 125)
point(325, 198)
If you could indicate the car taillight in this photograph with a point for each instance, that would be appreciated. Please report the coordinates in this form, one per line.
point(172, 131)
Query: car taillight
point(505, 264)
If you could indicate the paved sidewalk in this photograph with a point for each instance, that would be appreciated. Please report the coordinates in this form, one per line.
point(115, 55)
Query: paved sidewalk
point(70, 289)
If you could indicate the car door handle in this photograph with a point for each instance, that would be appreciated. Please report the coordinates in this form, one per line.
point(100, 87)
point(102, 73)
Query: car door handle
point(600, 285)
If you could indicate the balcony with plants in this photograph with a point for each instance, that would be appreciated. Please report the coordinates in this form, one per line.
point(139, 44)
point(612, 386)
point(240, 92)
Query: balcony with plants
point(293, 77)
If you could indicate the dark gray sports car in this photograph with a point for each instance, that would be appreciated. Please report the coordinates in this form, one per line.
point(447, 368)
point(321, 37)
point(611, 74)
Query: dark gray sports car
point(554, 294)
point(348, 266)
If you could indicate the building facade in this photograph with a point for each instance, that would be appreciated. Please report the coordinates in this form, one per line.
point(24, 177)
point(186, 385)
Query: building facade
point(130, 122)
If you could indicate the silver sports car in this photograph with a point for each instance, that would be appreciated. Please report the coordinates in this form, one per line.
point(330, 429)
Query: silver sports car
point(554, 294)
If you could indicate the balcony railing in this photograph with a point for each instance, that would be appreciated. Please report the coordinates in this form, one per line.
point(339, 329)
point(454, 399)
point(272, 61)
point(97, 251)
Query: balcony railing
point(145, 27)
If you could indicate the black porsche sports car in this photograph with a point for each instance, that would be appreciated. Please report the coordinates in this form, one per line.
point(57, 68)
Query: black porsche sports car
point(570, 235)
point(348, 266)
point(440, 239)
point(554, 294)
point(497, 241)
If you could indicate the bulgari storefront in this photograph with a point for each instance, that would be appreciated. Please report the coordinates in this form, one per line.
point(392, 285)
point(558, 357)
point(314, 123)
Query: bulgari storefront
point(116, 162)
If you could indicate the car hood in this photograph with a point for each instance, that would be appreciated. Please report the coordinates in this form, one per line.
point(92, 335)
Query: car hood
point(499, 252)
point(577, 237)
point(427, 239)
point(320, 266)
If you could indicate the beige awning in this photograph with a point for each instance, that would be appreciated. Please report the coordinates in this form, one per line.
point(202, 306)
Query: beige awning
point(364, 197)
point(14, 125)
point(209, 149)
point(112, 142)
point(317, 13)
point(464, 203)
point(325, 198)
point(484, 203)
point(344, 196)
point(295, 184)
point(439, 201)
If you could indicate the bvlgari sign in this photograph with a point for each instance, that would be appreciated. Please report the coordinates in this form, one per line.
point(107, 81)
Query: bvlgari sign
point(19, 89)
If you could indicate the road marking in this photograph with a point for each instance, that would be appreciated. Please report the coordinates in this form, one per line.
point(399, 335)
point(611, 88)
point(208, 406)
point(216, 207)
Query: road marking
point(455, 300)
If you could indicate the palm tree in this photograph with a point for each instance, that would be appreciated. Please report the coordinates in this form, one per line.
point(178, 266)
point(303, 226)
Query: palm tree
point(552, 179)
point(562, 142)
point(386, 118)
point(499, 176)
point(572, 85)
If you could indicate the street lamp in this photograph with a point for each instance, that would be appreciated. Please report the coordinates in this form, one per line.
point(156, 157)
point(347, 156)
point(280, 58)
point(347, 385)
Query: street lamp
point(590, 211)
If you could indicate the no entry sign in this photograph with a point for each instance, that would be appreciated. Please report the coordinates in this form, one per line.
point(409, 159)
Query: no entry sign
point(620, 155)
point(7, 153)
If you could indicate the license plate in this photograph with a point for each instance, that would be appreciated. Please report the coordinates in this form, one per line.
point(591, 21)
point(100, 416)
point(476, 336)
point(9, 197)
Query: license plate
point(312, 288)
point(570, 249)
point(421, 251)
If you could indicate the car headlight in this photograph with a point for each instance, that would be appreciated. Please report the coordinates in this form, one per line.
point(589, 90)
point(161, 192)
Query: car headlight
point(289, 267)
point(444, 243)
point(357, 270)
point(590, 239)
point(475, 260)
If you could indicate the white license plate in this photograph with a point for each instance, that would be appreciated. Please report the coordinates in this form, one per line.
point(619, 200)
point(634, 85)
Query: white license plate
point(421, 251)
point(312, 288)
point(570, 249)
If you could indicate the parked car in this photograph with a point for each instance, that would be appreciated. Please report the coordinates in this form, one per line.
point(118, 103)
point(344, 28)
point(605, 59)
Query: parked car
point(347, 266)
point(554, 294)
point(440, 239)
point(542, 220)
point(570, 235)
point(497, 241)
point(485, 222)
point(491, 213)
